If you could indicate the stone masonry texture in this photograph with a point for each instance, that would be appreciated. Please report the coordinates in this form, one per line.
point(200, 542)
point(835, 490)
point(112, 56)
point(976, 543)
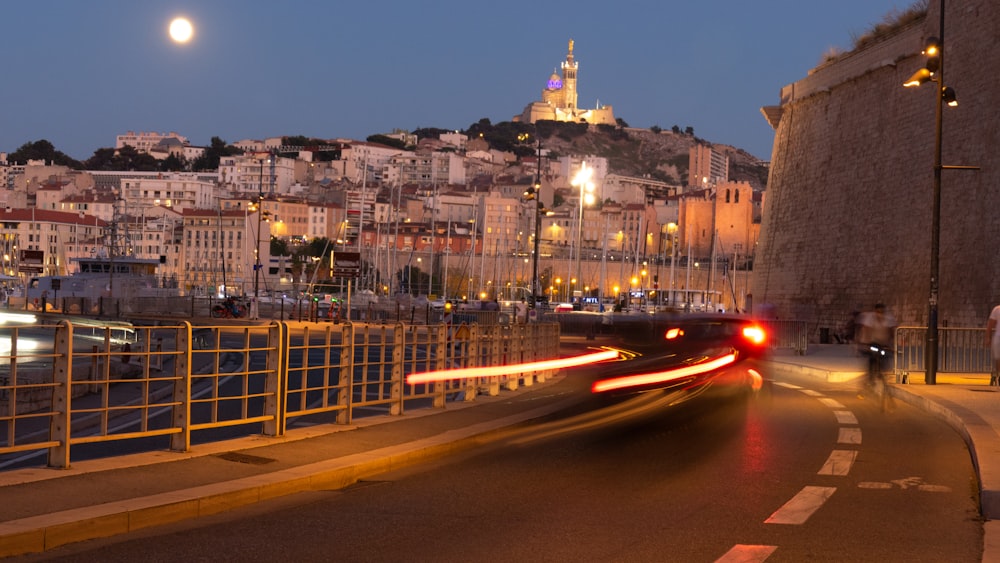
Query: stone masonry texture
point(847, 217)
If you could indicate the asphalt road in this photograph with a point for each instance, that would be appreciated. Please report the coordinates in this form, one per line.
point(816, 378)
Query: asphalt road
point(802, 471)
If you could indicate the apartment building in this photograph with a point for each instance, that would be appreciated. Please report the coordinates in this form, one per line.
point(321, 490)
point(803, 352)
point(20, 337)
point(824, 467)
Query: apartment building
point(144, 141)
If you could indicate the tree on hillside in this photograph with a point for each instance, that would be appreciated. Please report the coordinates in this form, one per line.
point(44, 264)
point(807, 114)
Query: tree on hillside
point(101, 160)
point(173, 163)
point(387, 141)
point(209, 160)
point(42, 150)
point(128, 158)
point(429, 132)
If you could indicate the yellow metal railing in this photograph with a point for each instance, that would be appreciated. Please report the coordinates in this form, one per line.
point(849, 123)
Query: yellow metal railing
point(84, 385)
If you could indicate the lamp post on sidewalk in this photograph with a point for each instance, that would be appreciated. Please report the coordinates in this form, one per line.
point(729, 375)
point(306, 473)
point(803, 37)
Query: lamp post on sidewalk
point(583, 181)
point(933, 71)
point(534, 192)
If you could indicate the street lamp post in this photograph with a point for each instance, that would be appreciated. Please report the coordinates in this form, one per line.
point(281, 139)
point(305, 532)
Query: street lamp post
point(933, 71)
point(672, 231)
point(535, 193)
point(583, 181)
point(260, 212)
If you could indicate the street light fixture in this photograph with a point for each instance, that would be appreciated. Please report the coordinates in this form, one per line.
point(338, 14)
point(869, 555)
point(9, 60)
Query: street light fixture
point(933, 71)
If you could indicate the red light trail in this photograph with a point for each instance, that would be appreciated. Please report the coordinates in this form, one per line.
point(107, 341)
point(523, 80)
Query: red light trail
point(490, 371)
point(661, 376)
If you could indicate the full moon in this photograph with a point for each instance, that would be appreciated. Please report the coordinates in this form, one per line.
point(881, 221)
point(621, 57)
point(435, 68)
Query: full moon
point(181, 30)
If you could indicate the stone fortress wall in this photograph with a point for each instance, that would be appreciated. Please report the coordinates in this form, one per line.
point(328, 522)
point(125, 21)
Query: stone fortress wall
point(847, 213)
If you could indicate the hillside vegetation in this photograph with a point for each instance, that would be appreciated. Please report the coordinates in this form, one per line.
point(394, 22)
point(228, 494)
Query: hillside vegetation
point(658, 154)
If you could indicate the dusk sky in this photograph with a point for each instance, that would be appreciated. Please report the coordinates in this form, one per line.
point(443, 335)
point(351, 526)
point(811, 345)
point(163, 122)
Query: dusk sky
point(79, 73)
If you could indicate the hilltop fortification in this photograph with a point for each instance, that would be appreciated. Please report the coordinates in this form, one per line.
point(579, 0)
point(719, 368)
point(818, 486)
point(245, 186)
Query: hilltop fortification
point(847, 214)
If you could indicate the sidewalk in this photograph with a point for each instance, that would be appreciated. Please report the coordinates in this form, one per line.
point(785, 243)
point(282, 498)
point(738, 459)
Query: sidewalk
point(45, 508)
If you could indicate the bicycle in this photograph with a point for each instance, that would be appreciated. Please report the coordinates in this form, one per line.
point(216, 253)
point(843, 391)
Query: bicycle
point(224, 312)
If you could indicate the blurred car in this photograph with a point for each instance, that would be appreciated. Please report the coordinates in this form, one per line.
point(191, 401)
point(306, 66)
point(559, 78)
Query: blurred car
point(685, 352)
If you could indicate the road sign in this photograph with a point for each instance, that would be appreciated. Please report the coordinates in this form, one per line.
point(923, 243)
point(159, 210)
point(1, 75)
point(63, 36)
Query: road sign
point(346, 264)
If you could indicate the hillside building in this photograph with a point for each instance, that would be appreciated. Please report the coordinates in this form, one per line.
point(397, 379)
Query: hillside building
point(559, 100)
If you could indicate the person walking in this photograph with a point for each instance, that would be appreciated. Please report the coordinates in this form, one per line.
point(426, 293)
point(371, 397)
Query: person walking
point(993, 341)
point(521, 315)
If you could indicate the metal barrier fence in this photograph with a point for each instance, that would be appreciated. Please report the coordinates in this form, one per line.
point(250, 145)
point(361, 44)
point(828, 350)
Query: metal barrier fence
point(787, 334)
point(66, 385)
point(960, 351)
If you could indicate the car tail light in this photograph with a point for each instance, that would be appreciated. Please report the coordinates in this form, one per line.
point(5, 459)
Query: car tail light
point(754, 334)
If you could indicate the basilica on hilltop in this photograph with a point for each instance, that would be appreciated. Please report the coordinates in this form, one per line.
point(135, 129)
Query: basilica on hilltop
point(559, 98)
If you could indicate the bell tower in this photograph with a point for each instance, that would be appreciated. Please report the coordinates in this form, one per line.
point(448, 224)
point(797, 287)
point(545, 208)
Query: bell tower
point(569, 67)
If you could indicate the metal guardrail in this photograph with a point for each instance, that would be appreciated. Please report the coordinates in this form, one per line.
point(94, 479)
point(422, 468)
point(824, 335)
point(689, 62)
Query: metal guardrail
point(960, 351)
point(98, 384)
point(787, 334)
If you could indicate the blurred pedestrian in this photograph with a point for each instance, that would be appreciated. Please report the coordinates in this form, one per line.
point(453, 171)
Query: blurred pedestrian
point(521, 314)
point(875, 336)
point(993, 337)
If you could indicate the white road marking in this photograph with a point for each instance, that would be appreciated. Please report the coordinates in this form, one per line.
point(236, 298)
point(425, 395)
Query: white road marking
point(905, 484)
point(839, 463)
point(747, 554)
point(802, 506)
point(812, 393)
point(845, 417)
point(874, 485)
point(849, 436)
point(832, 403)
point(934, 488)
point(787, 385)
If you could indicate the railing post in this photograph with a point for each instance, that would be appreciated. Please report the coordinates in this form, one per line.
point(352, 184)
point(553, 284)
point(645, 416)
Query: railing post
point(274, 384)
point(440, 356)
point(346, 372)
point(62, 393)
point(181, 411)
point(396, 376)
point(475, 360)
point(497, 357)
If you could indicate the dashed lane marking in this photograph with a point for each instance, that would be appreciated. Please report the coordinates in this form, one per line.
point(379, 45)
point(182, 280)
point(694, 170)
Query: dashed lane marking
point(839, 463)
point(845, 417)
point(787, 385)
point(747, 554)
point(849, 436)
point(801, 506)
point(812, 393)
point(832, 403)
